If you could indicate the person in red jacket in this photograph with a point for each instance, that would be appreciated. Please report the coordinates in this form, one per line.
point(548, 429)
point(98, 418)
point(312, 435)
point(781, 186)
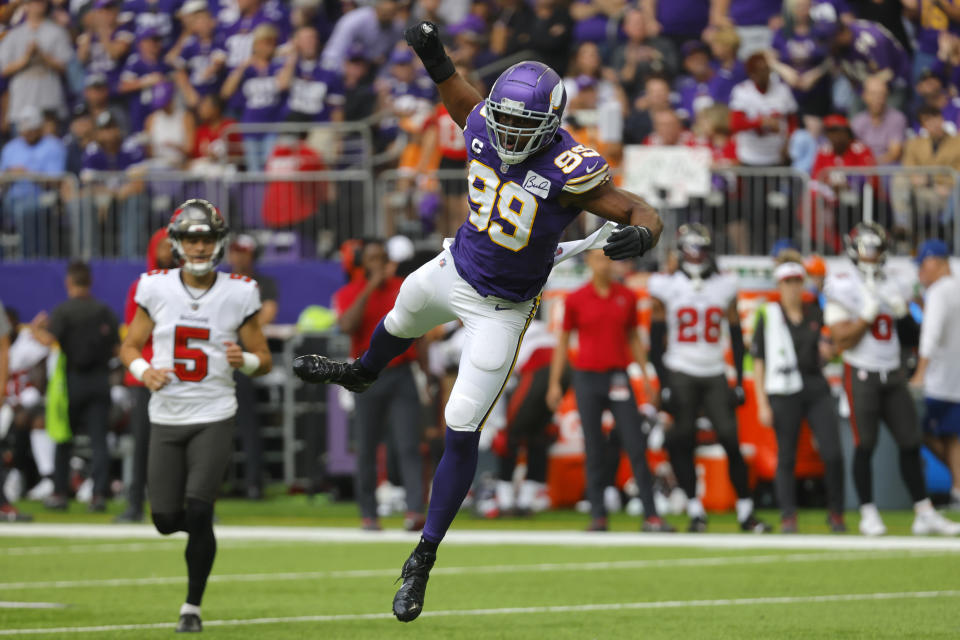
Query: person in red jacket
point(159, 256)
point(603, 312)
point(843, 150)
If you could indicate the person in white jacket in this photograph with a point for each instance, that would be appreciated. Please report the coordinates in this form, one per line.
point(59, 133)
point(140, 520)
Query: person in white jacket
point(938, 370)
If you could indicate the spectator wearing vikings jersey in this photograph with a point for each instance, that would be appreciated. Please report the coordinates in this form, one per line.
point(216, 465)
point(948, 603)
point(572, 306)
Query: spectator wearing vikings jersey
point(199, 62)
point(728, 69)
point(863, 49)
point(261, 88)
point(316, 93)
point(236, 33)
point(603, 313)
point(700, 87)
point(118, 204)
point(391, 408)
point(527, 181)
point(143, 71)
point(932, 20)
point(96, 100)
point(865, 313)
point(692, 309)
point(105, 43)
point(141, 15)
point(787, 351)
point(802, 61)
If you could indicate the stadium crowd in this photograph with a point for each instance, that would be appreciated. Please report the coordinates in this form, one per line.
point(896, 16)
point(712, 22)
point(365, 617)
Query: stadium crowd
point(141, 85)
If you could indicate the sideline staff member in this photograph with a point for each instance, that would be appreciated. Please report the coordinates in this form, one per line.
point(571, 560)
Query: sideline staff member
point(790, 387)
point(604, 315)
point(392, 401)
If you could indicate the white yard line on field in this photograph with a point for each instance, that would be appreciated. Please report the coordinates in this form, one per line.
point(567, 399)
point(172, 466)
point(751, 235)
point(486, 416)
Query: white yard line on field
point(116, 547)
point(31, 605)
point(546, 567)
point(579, 608)
point(494, 537)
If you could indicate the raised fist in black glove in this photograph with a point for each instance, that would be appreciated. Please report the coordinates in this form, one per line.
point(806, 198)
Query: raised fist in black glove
point(628, 242)
point(425, 40)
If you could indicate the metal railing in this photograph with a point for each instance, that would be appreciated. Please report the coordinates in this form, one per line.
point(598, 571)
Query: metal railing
point(308, 214)
point(113, 214)
point(912, 203)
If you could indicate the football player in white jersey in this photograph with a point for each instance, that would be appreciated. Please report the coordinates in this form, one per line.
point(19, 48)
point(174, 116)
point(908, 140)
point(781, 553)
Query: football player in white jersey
point(196, 316)
point(864, 305)
point(692, 309)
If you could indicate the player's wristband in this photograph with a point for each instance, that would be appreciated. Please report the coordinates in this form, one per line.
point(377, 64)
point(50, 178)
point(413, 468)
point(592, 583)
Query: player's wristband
point(440, 71)
point(250, 363)
point(138, 367)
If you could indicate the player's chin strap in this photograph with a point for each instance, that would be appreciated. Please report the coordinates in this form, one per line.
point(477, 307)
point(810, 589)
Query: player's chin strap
point(566, 250)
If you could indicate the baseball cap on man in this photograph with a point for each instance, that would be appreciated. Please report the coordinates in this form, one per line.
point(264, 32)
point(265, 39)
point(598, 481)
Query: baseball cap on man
point(932, 248)
point(29, 118)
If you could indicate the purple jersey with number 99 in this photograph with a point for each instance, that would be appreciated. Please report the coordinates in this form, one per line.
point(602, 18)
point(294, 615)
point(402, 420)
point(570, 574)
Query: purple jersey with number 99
point(507, 245)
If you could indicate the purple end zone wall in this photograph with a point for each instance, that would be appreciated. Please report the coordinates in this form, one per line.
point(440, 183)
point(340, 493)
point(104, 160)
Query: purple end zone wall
point(30, 287)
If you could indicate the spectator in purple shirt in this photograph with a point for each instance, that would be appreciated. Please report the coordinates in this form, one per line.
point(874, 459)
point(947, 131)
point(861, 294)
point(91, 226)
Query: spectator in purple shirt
point(802, 62)
point(199, 63)
point(105, 44)
point(96, 100)
point(316, 93)
point(153, 14)
point(237, 37)
point(116, 202)
point(693, 88)
point(862, 50)
point(880, 127)
point(728, 70)
point(261, 92)
point(143, 71)
point(932, 20)
point(677, 20)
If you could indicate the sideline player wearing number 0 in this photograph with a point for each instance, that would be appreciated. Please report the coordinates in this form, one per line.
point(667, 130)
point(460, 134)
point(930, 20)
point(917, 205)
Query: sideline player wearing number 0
point(196, 316)
point(527, 180)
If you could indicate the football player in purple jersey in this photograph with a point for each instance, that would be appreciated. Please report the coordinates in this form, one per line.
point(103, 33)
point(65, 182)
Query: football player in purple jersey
point(527, 180)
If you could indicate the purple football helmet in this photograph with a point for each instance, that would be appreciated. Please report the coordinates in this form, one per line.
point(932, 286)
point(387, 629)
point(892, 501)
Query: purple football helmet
point(523, 110)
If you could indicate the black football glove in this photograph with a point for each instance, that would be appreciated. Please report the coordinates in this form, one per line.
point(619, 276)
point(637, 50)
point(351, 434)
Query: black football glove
point(425, 40)
point(628, 242)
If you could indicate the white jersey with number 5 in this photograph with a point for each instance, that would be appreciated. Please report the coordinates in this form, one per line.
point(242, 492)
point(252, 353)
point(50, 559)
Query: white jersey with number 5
point(879, 348)
point(190, 327)
point(696, 320)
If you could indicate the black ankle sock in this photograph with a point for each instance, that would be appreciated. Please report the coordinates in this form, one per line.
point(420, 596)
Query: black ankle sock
point(427, 546)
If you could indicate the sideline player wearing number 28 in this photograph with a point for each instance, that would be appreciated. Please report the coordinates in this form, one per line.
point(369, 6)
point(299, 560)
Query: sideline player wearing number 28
point(195, 315)
point(527, 180)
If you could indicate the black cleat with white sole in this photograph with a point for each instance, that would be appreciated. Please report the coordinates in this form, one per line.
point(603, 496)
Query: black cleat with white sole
point(322, 370)
point(189, 623)
point(755, 525)
point(408, 603)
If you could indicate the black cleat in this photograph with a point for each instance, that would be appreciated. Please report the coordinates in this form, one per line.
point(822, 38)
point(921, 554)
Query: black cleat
point(189, 623)
point(408, 603)
point(656, 524)
point(697, 525)
point(323, 370)
point(754, 525)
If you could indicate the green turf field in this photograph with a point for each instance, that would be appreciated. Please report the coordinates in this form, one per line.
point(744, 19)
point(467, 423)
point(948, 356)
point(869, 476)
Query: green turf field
point(344, 590)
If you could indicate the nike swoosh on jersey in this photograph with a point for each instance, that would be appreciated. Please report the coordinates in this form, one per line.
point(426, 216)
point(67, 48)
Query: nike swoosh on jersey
point(497, 307)
point(592, 167)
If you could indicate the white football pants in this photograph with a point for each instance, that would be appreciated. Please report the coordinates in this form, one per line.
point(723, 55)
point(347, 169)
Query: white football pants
point(435, 294)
